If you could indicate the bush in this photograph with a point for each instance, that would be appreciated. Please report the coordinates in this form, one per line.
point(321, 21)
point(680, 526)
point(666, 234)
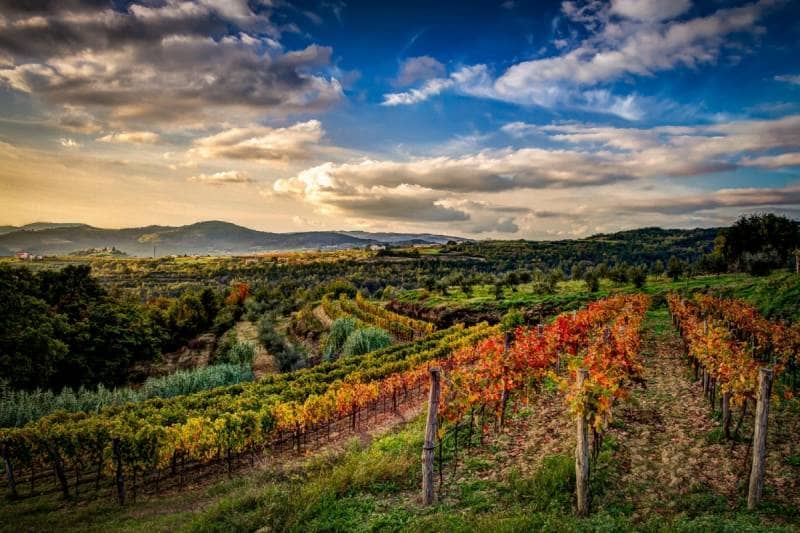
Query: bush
point(253, 309)
point(240, 353)
point(18, 408)
point(341, 328)
point(289, 357)
point(366, 340)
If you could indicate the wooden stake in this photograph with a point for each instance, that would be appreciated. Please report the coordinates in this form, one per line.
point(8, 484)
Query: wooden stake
point(726, 414)
point(120, 476)
point(430, 439)
point(760, 438)
point(582, 455)
point(12, 483)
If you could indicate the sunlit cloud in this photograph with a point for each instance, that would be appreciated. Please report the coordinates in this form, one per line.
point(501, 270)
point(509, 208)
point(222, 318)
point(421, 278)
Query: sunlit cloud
point(261, 142)
point(131, 137)
point(221, 178)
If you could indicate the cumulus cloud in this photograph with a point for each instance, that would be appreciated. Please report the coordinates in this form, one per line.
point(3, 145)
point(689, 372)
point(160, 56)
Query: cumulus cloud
point(261, 142)
point(641, 39)
point(588, 173)
point(160, 62)
point(221, 178)
point(415, 69)
point(487, 171)
point(131, 137)
point(650, 10)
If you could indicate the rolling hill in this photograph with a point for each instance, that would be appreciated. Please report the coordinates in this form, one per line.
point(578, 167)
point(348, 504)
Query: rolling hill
point(206, 238)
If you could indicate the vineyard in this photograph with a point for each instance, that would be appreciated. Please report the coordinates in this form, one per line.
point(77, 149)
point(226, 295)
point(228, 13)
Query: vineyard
point(478, 381)
point(742, 359)
point(403, 328)
point(591, 355)
point(157, 438)
point(728, 341)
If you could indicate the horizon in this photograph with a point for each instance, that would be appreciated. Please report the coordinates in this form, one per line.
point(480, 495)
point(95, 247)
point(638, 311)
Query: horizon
point(334, 230)
point(484, 120)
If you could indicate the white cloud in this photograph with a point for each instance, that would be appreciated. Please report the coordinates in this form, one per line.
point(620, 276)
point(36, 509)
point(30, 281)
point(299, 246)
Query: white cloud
point(650, 10)
point(430, 88)
point(261, 142)
point(221, 178)
point(643, 42)
point(131, 137)
point(597, 173)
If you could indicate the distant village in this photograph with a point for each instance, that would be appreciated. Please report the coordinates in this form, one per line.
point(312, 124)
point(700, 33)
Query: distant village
point(27, 256)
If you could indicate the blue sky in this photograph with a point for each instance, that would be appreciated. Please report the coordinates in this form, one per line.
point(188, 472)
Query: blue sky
point(486, 119)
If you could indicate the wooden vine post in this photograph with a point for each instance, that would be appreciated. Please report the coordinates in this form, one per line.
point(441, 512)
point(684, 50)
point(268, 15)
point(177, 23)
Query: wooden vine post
point(760, 438)
point(726, 414)
point(119, 476)
point(12, 483)
point(430, 439)
point(582, 454)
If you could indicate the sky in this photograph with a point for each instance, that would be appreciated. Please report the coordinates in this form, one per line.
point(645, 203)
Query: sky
point(508, 119)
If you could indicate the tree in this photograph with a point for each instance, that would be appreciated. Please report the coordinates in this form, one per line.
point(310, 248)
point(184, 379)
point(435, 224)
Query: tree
point(713, 263)
point(498, 291)
point(658, 268)
point(592, 281)
point(759, 242)
point(674, 268)
point(619, 273)
point(637, 275)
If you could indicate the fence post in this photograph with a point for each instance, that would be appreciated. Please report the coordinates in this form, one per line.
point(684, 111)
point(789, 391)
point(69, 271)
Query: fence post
point(759, 438)
point(582, 454)
point(12, 483)
point(726, 414)
point(120, 476)
point(430, 439)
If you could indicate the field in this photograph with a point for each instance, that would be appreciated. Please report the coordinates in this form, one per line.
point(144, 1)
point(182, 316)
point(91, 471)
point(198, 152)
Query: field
point(331, 440)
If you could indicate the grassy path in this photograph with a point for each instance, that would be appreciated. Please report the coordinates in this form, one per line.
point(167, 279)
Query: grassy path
point(670, 458)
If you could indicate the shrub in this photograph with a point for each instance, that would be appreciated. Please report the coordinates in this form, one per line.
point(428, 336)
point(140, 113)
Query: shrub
point(341, 328)
point(366, 340)
point(240, 353)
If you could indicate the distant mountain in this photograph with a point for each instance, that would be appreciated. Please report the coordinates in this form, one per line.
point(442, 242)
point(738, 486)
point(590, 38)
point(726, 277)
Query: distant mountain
point(37, 226)
point(202, 238)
